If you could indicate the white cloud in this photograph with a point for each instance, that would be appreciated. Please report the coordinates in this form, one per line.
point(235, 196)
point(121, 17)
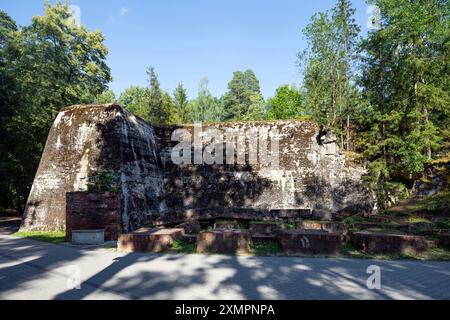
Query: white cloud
point(123, 11)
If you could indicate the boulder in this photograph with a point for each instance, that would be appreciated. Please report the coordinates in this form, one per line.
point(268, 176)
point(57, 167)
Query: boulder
point(225, 225)
point(265, 228)
point(224, 241)
point(149, 240)
point(190, 227)
point(329, 226)
point(310, 242)
point(378, 243)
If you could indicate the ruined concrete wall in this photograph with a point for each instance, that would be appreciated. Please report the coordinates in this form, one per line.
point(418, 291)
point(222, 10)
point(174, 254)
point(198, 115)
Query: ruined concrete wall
point(312, 174)
point(313, 177)
point(84, 138)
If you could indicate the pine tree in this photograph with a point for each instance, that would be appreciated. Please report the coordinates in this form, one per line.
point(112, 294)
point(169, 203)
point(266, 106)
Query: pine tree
point(181, 104)
point(243, 99)
point(328, 76)
point(158, 114)
point(405, 81)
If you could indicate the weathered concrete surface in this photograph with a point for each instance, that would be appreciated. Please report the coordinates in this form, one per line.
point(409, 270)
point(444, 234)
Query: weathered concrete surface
point(85, 138)
point(312, 174)
point(313, 178)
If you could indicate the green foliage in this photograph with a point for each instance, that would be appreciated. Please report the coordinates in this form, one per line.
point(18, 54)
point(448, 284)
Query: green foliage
point(443, 223)
point(205, 108)
point(184, 246)
point(405, 82)
point(102, 181)
point(288, 103)
point(289, 226)
point(243, 101)
point(180, 103)
point(55, 237)
point(159, 103)
point(135, 99)
point(327, 64)
point(262, 248)
point(107, 96)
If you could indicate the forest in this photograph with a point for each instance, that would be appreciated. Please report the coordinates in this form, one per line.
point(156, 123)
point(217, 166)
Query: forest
point(385, 95)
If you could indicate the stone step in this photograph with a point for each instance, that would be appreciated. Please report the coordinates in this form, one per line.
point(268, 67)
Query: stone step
point(149, 240)
point(265, 228)
point(310, 242)
point(227, 225)
point(377, 243)
point(224, 241)
point(263, 238)
point(329, 226)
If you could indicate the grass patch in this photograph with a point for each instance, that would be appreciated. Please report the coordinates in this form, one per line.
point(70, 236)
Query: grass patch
point(184, 246)
point(54, 237)
point(434, 202)
point(261, 248)
point(289, 226)
point(442, 223)
point(417, 219)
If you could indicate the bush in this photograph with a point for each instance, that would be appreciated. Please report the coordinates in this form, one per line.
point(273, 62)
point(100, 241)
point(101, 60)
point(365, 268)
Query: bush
point(102, 181)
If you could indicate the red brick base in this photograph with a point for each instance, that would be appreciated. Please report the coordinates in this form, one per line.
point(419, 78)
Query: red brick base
point(93, 210)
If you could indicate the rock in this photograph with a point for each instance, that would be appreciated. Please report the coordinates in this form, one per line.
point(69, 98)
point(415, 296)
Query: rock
point(377, 243)
point(190, 227)
point(227, 225)
point(310, 242)
point(224, 241)
point(265, 228)
point(443, 240)
point(149, 240)
point(329, 226)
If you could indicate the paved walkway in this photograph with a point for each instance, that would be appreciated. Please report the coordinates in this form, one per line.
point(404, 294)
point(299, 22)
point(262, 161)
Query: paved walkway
point(36, 270)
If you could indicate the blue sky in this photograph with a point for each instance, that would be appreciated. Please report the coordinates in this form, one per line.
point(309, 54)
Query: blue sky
point(186, 40)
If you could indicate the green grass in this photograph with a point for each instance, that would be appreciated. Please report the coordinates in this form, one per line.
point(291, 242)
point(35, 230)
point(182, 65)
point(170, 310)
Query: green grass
point(262, 248)
point(184, 246)
point(434, 202)
point(289, 226)
point(54, 237)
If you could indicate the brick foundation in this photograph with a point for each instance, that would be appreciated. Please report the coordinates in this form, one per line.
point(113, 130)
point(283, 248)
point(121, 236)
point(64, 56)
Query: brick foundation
point(93, 210)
